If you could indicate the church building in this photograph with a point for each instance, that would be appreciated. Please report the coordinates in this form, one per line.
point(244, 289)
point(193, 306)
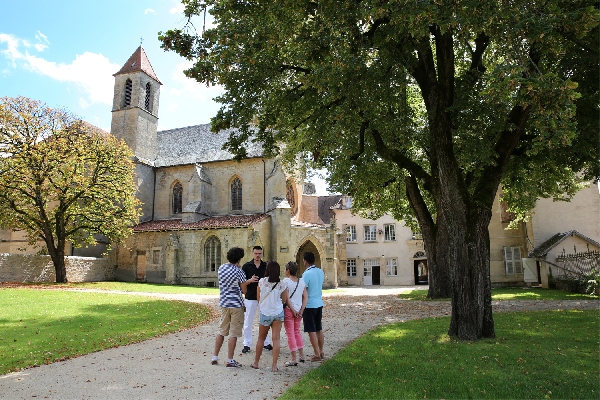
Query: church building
point(198, 201)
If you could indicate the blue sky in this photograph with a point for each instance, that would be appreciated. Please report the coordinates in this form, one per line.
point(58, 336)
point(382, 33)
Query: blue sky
point(65, 52)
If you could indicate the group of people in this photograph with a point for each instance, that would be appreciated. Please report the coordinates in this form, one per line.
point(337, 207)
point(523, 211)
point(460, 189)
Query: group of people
point(279, 302)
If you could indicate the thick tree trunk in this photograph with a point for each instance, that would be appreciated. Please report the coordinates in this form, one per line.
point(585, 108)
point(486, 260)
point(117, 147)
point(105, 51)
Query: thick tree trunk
point(57, 254)
point(471, 285)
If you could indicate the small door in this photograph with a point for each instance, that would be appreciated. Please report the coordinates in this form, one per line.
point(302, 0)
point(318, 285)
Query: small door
point(141, 266)
point(376, 275)
point(529, 270)
point(367, 276)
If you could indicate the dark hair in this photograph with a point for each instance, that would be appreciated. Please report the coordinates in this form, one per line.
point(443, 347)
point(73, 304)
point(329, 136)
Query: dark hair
point(273, 270)
point(235, 254)
point(310, 257)
point(256, 248)
point(292, 267)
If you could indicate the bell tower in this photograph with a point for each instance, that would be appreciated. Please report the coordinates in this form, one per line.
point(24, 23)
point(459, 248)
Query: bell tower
point(135, 119)
point(135, 106)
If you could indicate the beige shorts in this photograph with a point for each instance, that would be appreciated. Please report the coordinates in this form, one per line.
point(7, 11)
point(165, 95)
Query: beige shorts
point(232, 319)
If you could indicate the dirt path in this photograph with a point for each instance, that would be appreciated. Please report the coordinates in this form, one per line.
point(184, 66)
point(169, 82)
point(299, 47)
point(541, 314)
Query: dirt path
point(177, 366)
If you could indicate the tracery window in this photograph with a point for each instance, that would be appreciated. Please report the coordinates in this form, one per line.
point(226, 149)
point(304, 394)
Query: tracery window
point(236, 194)
point(212, 254)
point(148, 96)
point(128, 86)
point(177, 198)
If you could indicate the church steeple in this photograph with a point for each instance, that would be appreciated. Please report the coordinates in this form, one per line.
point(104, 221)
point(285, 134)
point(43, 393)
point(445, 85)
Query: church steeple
point(135, 105)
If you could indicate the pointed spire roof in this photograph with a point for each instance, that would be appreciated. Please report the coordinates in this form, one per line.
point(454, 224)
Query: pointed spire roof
point(138, 62)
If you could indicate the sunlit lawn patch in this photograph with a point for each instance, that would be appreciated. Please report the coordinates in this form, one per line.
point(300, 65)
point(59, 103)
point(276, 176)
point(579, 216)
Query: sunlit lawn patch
point(551, 354)
point(512, 294)
point(42, 326)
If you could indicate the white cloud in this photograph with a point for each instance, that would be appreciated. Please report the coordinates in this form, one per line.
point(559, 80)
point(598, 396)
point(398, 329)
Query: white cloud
point(40, 47)
point(41, 37)
point(190, 87)
point(91, 72)
point(149, 11)
point(178, 9)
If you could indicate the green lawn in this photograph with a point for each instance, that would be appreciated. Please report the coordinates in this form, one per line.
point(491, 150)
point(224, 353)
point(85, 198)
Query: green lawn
point(512, 294)
point(42, 326)
point(135, 287)
point(551, 354)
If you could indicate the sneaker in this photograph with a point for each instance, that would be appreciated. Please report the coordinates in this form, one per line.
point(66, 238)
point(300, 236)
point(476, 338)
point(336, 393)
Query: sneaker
point(233, 364)
point(246, 349)
point(268, 347)
point(214, 362)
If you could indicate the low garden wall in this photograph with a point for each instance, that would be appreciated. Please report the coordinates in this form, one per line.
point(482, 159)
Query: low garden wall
point(38, 268)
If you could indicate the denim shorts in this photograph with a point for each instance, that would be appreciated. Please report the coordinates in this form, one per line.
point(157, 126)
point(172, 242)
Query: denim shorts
point(267, 320)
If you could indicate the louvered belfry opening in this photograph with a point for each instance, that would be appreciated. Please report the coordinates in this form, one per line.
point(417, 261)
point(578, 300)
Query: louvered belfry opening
point(128, 85)
point(148, 96)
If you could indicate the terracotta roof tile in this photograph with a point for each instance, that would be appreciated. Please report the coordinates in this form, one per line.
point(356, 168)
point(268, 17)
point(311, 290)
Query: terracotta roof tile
point(220, 222)
point(138, 62)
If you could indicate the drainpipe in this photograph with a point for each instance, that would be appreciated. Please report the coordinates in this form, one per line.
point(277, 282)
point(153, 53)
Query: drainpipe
point(153, 191)
point(264, 187)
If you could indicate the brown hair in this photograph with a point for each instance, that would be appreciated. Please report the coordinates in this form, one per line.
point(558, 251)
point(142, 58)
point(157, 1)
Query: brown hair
point(292, 267)
point(273, 270)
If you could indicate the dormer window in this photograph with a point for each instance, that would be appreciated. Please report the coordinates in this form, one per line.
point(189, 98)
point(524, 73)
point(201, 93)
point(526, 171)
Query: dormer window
point(236, 194)
point(148, 97)
point(128, 86)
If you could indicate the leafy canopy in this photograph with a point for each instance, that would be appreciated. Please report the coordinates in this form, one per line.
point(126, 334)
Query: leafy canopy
point(62, 178)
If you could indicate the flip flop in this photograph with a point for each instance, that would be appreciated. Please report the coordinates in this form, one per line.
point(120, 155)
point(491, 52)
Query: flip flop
point(253, 367)
point(276, 370)
point(302, 360)
point(291, 364)
point(316, 359)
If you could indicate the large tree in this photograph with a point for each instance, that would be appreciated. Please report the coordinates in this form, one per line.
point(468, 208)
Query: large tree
point(62, 179)
point(421, 106)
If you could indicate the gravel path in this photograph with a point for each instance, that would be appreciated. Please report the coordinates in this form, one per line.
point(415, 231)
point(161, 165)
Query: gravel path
point(177, 366)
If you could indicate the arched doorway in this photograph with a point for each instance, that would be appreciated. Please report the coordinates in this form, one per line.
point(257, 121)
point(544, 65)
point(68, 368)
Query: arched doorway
point(307, 246)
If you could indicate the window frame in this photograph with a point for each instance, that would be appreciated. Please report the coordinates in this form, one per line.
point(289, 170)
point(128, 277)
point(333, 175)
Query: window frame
point(389, 230)
point(236, 190)
point(350, 236)
point(513, 265)
point(370, 236)
point(177, 194)
point(351, 270)
point(212, 252)
point(390, 265)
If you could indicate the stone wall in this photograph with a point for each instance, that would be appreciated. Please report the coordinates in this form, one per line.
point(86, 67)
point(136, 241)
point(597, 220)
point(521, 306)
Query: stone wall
point(37, 268)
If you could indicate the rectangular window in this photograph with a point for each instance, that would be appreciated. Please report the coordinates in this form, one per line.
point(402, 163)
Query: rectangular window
point(351, 267)
point(391, 267)
point(390, 231)
point(155, 256)
point(512, 259)
point(370, 233)
point(351, 233)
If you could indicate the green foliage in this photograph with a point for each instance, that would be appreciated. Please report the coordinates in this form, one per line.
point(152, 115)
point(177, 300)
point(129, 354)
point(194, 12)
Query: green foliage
point(509, 294)
point(551, 354)
point(35, 331)
point(61, 178)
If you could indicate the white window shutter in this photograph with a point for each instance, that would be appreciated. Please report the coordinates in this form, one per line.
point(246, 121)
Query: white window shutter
point(508, 259)
point(517, 260)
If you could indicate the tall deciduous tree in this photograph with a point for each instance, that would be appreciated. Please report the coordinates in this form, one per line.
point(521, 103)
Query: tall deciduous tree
point(425, 106)
point(62, 179)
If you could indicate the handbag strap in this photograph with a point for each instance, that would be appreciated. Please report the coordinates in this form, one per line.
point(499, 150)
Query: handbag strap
point(297, 282)
point(262, 298)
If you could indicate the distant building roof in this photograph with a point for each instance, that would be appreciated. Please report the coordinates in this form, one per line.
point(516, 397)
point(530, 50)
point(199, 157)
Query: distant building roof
point(325, 205)
point(224, 221)
point(138, 62)
point(555, 240)
point(196, 144)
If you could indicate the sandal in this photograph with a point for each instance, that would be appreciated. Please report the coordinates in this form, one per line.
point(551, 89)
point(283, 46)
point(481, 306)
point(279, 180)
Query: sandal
point(316, 359)
point(291, 364)
point(302, 359)
point(253, 367)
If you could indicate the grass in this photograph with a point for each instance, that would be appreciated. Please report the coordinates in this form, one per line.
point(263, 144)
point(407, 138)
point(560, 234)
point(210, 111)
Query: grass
point(550, 354)
point(511, 294)
point(134, 287)
point(43, 326)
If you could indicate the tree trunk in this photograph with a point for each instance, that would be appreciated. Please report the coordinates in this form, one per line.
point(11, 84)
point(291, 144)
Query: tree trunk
point(471, 285)
point(57, 254)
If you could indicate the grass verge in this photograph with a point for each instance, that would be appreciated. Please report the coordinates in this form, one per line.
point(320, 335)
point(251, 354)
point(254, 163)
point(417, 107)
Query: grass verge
point(550, 354)
point(511, 294)
point(43, 326)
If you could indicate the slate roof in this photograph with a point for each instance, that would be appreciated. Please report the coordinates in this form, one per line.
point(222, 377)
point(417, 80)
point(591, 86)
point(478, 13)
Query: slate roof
point(196, 144)
point(551, 243)
point(325, 205)
point(138, 62)
point(223, 222)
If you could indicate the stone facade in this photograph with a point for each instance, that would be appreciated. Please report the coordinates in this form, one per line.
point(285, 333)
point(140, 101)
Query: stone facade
point(38, 268)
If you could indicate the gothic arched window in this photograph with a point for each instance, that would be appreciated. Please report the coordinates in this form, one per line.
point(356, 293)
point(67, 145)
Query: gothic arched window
point(128, 85)
point(236, 194)
point(148, 96)
point(177, 198)
point(212, 254)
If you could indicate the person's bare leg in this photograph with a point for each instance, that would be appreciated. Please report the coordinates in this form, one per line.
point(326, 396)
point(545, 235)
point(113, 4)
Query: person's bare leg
point(218, 343)
point(321, 341)
point(315, 344)
point(260, 342)
point(276, 342)
point(301, 354)
point(231, 347)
